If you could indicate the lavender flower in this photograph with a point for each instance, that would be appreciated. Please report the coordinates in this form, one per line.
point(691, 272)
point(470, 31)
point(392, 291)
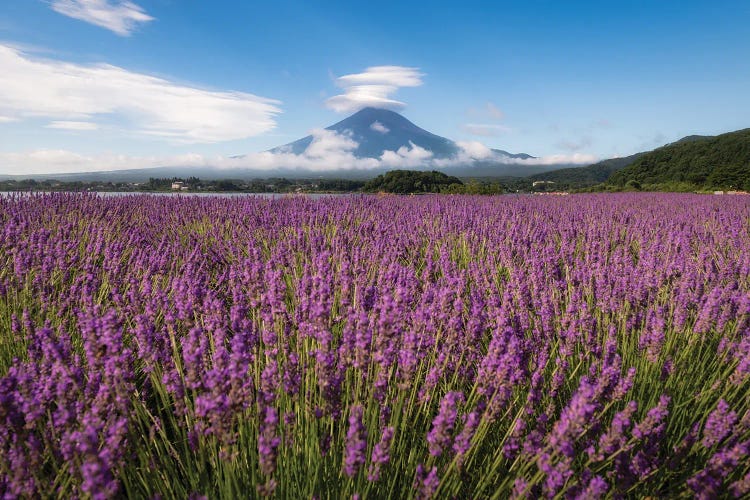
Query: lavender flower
point(426, 482)
point(356, 442)
point(440, 435)
point(268, 441)
point(380, 454)
point(718, 425)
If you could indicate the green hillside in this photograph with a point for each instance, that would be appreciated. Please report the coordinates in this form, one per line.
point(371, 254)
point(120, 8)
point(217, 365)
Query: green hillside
point(720, 162)
point(585, 176)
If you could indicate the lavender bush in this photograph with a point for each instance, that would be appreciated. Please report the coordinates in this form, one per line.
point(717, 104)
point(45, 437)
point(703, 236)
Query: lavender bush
point(582, 347)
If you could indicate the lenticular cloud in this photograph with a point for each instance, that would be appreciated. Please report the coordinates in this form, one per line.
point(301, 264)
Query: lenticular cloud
point(374, 88)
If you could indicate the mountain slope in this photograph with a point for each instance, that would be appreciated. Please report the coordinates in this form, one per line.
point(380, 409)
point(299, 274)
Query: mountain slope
point(722, 161)
point(378, 130)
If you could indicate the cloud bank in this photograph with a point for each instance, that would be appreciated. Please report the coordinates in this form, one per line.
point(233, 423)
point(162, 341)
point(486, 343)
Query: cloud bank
point(328, 151)
point(120, 17)
point(72, 93)
point(373, 87)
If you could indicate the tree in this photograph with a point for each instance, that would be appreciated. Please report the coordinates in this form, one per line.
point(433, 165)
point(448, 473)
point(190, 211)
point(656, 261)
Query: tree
point(633, 185)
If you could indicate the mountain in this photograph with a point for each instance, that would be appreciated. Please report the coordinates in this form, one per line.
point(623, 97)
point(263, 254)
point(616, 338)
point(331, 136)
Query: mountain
point(378, 130)
point(588, 175)
point(374, 131)
point(702, 162)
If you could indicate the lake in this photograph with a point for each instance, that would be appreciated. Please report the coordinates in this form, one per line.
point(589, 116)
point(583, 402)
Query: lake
point(105, 194)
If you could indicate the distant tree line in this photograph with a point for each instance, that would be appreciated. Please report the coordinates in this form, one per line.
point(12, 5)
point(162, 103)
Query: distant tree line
point(44, 185)
point(193, 184)
point(413, 181)
point(397, 181)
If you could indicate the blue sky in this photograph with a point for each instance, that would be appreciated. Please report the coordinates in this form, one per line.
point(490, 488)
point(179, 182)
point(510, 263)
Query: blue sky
point(148, 82)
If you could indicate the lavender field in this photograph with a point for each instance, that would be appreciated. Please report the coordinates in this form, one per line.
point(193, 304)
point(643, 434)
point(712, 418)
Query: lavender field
point(586, 346)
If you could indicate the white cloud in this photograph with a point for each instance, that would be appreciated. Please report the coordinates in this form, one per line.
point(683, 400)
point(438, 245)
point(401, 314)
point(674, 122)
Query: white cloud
point(67, 125)
point(379, 127)
point(475, 150)
point(398, 76)
point(412, 156)
point(36, 88)
point(488, 111)
point(327, 152)
point(119, 16)
point(373, 87)
point(7, 119)
point(560, 159)
point(573, 146)
point(469, 152)
point(493, 111)
point(327, 143)
point(485, 129)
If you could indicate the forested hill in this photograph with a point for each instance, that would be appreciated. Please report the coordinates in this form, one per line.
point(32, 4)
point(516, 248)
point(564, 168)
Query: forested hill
point(586, 176)
point(412, 181)
point(720, 162)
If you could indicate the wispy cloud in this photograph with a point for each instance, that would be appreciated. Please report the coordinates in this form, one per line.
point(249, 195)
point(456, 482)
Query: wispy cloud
point(68, 125)
point(485, 129)
point(374, 87)
point(119, 16)
point(578, 145)
point(493, 111)
point(487, 111)
point(66, 92)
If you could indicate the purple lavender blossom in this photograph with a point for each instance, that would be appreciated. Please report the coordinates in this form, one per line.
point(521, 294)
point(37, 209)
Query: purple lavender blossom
point(718, 425)
point(441, 433)
point(356, 442)
point(426, 482)
point(144, 330)
point(380, 454)
point(268, 441)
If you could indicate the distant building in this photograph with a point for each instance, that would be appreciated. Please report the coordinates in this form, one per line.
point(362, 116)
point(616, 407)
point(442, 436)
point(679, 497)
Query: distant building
point(177, 186)
point(718, 192)
point(184, 188)
point(541, 183)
